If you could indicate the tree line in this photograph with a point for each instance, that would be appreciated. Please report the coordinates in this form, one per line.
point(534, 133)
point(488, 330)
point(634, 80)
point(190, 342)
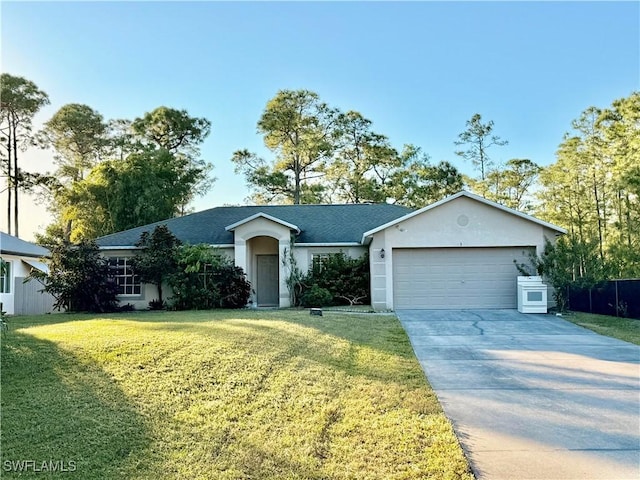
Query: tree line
point(324, 155)
point(110, 175)
point(118, 174)
point(593, 190)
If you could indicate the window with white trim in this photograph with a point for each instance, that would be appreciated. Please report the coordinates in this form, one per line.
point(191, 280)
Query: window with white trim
point(128, 283)
point(5, 276)
point(319, 260)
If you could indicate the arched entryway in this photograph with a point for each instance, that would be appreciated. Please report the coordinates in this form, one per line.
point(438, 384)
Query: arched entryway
point(260, 243)
point(265, 266)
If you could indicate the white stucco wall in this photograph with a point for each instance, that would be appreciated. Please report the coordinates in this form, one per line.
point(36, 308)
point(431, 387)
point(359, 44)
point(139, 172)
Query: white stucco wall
point(461, 222)
point(18, 271)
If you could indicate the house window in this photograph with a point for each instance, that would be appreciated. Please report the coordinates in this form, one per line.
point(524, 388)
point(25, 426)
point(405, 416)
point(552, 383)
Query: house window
point(5, 276)
point(319, 260)
point(206, 274)
point(128, 283)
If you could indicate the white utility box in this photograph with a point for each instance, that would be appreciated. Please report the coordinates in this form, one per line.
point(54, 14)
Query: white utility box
point(532, 295)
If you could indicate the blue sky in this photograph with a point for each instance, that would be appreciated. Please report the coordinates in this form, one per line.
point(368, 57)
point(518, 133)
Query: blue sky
point(418, 70)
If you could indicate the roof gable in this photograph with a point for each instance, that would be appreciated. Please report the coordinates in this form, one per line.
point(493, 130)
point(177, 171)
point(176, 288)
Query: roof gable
point(450, 198)
point(290, 226)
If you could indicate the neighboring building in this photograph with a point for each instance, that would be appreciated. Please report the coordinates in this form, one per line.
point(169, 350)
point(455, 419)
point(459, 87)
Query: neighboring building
point(16, 296)
point(456, 253)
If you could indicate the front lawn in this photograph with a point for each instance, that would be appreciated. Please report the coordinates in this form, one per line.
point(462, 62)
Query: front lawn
point(220, 395)
point(627, 329)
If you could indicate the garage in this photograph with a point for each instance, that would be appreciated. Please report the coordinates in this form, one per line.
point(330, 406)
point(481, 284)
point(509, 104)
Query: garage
point(458, 278)
point(457, 253)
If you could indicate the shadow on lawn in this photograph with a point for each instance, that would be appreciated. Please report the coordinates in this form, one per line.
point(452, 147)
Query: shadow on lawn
point(270, 331)
point(26, 321)
point(59, 409)
point(383, 333)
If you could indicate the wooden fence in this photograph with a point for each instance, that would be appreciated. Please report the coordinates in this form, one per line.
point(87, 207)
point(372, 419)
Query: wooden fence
point(29, 300)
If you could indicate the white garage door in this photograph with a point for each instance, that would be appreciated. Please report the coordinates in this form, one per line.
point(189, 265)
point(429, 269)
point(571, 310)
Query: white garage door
point(457, 278)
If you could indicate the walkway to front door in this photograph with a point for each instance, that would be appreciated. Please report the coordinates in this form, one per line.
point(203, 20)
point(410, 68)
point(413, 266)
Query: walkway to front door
point(532, 396)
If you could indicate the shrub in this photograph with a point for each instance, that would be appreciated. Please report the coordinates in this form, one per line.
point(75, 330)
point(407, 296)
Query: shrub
point(80, 279)
point(345, 278)
point(233, 286)
point(206, 279)
point(567, 263)
point(156, 260)
point(4, 321)
point(316, 297)
point(156, 304)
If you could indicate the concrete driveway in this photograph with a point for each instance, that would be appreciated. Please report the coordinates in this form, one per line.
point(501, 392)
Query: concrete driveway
point(532, 396)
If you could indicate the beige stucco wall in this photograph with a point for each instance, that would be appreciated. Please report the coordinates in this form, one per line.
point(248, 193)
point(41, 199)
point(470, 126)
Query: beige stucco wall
point(259, 236)
point(264, 236)
point(244, 251)
point(148, 291)
point(461, 222)
point(304, 254)
point(261, 245)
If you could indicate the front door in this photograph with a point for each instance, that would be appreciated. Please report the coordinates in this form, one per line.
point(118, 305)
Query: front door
point(267, 281)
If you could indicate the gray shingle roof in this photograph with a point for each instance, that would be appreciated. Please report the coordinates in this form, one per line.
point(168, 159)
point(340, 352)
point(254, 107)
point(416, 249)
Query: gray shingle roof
point(11, 245)
point(317, 223)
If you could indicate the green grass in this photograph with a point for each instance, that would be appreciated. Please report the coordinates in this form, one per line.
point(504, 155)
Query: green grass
point(222, 395)
point(627, 329)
